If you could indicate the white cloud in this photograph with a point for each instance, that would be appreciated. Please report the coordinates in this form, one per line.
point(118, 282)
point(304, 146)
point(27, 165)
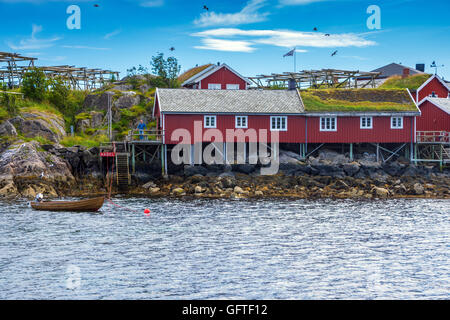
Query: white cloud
point(248, 14)
point(298, 2)
point(153, 3)
point(290, 39)
point(84, 47)
point(226, 45)
point(33, 43)
point(112, 34)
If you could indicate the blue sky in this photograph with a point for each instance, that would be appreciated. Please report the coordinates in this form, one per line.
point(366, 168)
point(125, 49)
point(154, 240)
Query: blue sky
point(250, 36)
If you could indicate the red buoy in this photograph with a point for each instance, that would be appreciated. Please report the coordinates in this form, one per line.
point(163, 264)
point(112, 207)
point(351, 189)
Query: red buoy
point(147, 212)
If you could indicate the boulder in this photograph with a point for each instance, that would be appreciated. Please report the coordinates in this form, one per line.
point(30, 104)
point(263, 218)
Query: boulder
point(149, 185)
point(238, 190)
point(243, 168)
point(190, 171)
point(351, 168)
point(381, 192)
point(418, 189)
point(8, 190)
point(259, 193)
point(7, 129)
point(46, 125)
point(178, 191)
point(126, 100)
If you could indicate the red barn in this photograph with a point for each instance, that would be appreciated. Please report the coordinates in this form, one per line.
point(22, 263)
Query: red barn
point(435, 115)
point(433, 87)
point(215, 77)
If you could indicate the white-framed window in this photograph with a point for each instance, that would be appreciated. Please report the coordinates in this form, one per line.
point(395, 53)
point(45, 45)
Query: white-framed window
point(209, 121)
point(396, 122)
point(241, 121)
point(278, 123)
point(328, 124)
point(232, 86)
point(214, 86)
point(366, 123)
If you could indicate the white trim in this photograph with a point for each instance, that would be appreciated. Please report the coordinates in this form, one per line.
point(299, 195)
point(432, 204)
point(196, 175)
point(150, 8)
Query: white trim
point(204, 75)
point(154, 103)
point(361, 123)
point(434, 104)
point(164, 127)
point(191, 79)
point(414, 100)
point(241, 126)
point(210, 126)
point(235, 86)
point(285, 122)
point(214, 86)
point(428, 81)
point(328, 130)
point(397, 127)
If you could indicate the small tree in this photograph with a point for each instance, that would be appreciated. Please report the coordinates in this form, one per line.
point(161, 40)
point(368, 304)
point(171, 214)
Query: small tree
point(10, 103)
point(166, 70)
point(59, 94)
point(34, 84)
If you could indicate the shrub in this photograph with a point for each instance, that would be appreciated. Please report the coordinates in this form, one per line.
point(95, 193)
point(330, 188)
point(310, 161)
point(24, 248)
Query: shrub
point(35, 84)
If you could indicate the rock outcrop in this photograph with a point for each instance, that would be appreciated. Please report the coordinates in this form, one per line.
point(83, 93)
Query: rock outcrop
point(24, 170)
point(40, 124)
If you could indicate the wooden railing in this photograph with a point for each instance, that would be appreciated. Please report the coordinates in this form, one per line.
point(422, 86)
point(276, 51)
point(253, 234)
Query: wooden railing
point(433, 136)
point(145, 135)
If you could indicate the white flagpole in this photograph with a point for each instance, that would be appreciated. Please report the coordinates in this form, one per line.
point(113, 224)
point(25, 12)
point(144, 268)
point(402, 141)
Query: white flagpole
point(295, 56)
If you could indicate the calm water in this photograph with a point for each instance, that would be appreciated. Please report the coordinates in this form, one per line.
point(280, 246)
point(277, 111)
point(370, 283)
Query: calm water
point(217, 249)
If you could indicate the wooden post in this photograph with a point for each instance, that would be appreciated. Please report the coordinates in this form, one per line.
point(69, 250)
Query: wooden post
point(351, 151)
point(378, 152)
point(133, 159)
point(166, 170)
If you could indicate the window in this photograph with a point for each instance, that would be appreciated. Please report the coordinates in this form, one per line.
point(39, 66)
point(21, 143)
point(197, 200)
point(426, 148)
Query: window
point(210, 121)
point(241, 121)
point(232, 86)
point(396, 122)
point(366, 123)
point(448, 95)
point(278, 123)
point(328, 124)
point(433, 95)
point(214, 86)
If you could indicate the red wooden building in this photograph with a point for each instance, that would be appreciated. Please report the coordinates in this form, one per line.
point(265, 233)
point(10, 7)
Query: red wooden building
point(214, 77)
point(434, 87)
point(435, 115)
point(301, 120)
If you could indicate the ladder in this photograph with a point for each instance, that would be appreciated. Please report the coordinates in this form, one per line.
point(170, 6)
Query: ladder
point(123, 170)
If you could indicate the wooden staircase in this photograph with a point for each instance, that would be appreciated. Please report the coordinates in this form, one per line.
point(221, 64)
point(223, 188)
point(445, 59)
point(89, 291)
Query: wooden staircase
point(446, 154)
point(123, 170)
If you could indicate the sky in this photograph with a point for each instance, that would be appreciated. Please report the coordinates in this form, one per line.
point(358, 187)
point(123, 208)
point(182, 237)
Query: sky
point(250, 36)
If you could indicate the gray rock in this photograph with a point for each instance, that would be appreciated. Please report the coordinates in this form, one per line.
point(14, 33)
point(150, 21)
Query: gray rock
point(127, 100)
point(244, 168)
point(418, 188)
point(190, 171)
point(351, 168)
point(7, 129)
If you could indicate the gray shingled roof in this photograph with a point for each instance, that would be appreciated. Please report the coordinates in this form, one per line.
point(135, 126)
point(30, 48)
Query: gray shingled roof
point(395, 69)
point(230, 101)
point(443, 103)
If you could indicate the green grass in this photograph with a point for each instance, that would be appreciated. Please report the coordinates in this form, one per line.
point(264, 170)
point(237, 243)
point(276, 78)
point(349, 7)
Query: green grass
point(31, 106)
point(356, 100)
point(3, 114)
point(411, 82)
point(84, 140)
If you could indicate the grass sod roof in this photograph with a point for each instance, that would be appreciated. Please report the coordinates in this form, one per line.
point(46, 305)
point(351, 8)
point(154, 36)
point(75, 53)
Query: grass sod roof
point(192, 72)
point(357, 100)
point(411, 82)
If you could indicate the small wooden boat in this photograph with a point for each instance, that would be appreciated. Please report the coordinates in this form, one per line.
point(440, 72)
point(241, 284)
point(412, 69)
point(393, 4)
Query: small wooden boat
point(93, 204)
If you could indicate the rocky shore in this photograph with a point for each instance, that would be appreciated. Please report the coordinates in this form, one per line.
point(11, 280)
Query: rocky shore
point(29, 168)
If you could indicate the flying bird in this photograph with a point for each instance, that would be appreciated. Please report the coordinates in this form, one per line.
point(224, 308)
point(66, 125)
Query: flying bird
point(172, 49)
point(315, 29)
point(327, 34)
point(205, 7)
point(96, 5)
point(334, 53)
